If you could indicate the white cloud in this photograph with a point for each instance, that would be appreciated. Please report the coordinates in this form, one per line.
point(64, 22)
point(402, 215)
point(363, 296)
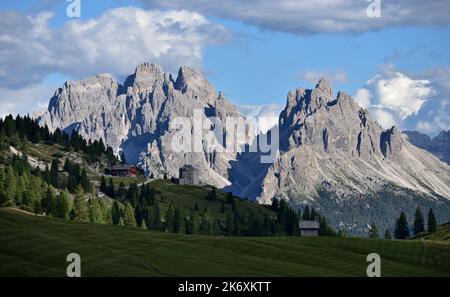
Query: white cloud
point(320, 16)
point(114, 42)
point(393, 96)
point(363, 97)
point(313, 76)
point(385, 117)
point(265, 116)
point(408, 100)
point(26, 99)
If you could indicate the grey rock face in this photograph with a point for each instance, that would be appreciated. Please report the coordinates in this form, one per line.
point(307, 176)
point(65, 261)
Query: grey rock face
point(330, 143)
point(438, 146)
point(135, 117)
point(327, 142)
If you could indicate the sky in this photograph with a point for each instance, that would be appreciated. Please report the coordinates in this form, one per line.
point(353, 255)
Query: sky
point(393, 57)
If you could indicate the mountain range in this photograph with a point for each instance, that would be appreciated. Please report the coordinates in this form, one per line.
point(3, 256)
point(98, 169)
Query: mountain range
point(331, 153)
point(438, 146)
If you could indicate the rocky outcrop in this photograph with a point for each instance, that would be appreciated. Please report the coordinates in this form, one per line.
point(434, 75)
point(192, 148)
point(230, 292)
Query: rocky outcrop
point(330, 143)
point(134, 117)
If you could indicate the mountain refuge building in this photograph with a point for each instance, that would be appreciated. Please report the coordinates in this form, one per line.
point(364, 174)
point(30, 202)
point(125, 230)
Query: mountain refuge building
point(188, 175)
point(309, 228)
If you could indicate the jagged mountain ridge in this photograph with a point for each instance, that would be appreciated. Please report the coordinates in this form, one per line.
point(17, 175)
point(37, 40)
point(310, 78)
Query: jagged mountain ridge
point(332, 154)
point(134, 117)
point(326, 141)
point(331, 143)
point(438, 146)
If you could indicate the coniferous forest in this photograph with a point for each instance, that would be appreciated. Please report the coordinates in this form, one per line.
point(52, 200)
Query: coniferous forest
point(65, 189)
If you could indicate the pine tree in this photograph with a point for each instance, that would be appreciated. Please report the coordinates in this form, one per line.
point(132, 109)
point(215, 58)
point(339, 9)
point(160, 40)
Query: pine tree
point(128, 216)
point(373, 231)
point(10, 187)
point(115, 213)
point(191, 227)
point(62, 206)
point(110, 191)
point(95, 212)
point(387, 235)
point(401, 227)
point(229, 223)
point(222, 208)
point(103, 185)
point(170, 218)
point(178, 222)
point(47, 202)
point(432, 223)
point(306, 215)
point(143, 226)
point(54, 174)
point(121, 192)
point(80, 207)
point(84, 182)
point(156, 218)
point(205, 225)
point(37, 207)
point(419, 223)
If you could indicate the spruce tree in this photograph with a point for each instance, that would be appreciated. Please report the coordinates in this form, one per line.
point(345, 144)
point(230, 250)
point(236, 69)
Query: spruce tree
point(110, 191)
point(115, 213)
point(95, 211)
point(387, 235)
point(419, 223)
point(229, 223)
point(432, 223)
point(9, 187)
point(373, 231)
point(170, 218)
point(47, 202)
point(191, 227)
point(84, 182)
point(103, 185)
point(80, 207)
point(54, 174)
point(128, 216)
point(62, 206)
point(205, 225)
point(306, 215)
point(178, 222)
point(156, 217)
point(401, 227)
point(143, 226)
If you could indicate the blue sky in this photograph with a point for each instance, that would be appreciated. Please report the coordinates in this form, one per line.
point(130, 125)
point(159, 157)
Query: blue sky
point(396, 66)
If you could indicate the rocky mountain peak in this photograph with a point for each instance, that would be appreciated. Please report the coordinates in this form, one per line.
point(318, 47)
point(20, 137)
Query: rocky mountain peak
point(145, 77)
point(325, 87)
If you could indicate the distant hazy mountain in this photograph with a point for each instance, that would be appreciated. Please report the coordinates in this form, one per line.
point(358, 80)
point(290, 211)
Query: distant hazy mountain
point(438, 146)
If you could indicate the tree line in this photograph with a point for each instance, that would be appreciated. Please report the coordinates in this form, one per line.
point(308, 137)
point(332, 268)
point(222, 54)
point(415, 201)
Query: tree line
point(402, 229)
point(19, 131)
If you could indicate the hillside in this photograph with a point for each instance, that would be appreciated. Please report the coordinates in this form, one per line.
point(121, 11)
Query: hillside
point(38, 246)
point(442, 234)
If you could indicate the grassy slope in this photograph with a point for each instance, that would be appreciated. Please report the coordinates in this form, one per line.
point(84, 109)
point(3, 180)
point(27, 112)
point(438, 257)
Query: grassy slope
point(442, 233)
point(187, 196)
point(38, 246)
